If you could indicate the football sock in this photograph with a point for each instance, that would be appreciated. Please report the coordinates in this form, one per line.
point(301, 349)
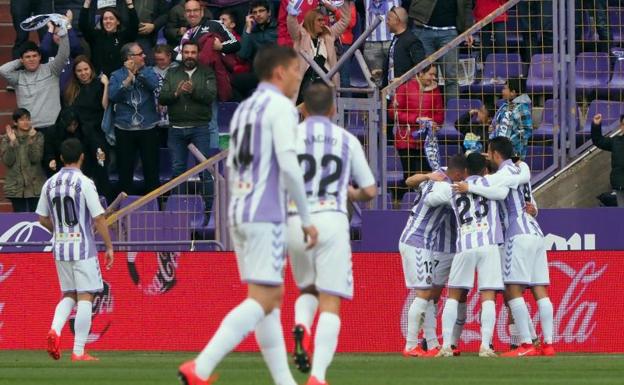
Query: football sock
point(546, 319)
point(449, 318)
point(531, 327)
point(430, 326)
point(305, 310)
point(514, 336)
point(270, 339)
point(415, 317)
point(325, 342)
point(82, 325)
point(488, 318)
point(63, 309)
point(520, 314)
point(459, 324)
point(235, 326)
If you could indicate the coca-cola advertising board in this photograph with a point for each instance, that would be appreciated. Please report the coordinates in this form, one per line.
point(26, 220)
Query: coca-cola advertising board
point(175, 301)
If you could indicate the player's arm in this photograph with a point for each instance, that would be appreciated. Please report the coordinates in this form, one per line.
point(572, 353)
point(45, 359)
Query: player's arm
point(99, 218)
point(417, 179)
point(284, 130)
point(362, 175)
point(44, 211)
point(491, 192)
point(46, 222)
point(441, 194)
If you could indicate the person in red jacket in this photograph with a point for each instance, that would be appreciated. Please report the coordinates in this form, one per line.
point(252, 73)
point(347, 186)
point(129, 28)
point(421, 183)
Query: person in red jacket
point(417, 99)
point(283, 37)
point(481, 9)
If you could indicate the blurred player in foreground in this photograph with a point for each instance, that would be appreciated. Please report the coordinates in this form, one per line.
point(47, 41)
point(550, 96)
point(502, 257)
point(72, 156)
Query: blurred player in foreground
point(68, 207)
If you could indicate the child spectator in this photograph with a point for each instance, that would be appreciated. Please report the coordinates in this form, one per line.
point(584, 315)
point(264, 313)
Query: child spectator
point(513, 119)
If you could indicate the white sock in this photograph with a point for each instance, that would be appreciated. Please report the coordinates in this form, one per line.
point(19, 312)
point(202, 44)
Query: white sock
point(531, 327)
point(546, 319)
point(270, 339)
point(63, 309)
point(488, 318)
point(233, 329)
point(305, 310)
point(325, 342)
point(520, 314)
point(415, 317)
point(430, 325)
point(458, 328)
point(82, 326)
point(514, 336)
point(449, 317)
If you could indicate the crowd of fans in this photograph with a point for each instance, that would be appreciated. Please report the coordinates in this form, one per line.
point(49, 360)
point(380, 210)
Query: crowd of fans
point(132, 76)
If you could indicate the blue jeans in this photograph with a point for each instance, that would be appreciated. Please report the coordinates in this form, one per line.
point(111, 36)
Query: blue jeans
point(177, 141)
point(432, 41)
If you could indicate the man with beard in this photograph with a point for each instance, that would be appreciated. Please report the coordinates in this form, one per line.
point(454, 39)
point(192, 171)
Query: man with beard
point(189, 92)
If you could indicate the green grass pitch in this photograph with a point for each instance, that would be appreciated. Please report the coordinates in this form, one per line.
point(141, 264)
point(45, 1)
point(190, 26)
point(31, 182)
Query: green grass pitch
point(149, 368)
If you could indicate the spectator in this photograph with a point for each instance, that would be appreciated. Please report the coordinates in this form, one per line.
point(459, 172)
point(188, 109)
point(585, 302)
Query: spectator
point(20, 11)
point(513, 118)
point(189, 91)
point(474, 126)
point(417, 99)
point(106, 41)
point(37, 85)
point(283, 37)
point(73, 6)
point(163, 60)
point(535, 22)
point(67, 126)
point(132, 92)
point(377, 45)
point(177, 24)
point(88, 95)
point(49, 49)
point(616, 146)
point(436, 24)
point(238, 64)
point(316, 40)
point(406, 50)
point(597, 9)
point(496, 28)
point(345, 40)
point(22, 151)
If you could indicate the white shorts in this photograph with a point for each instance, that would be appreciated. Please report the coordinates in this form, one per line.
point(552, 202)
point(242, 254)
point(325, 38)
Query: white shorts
point(417, 266)
point(328, 265)
point(441, 267)
point(260, 252)
point(83, 276)
point(485, 260)
point(524, 261)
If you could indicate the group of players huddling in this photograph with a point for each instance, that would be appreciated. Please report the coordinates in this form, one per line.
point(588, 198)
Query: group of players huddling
point(286, 181)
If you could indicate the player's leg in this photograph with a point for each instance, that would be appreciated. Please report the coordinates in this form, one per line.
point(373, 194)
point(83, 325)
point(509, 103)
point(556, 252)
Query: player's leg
point(490, 281)
point(325, 337)
point(88, 280)
point(63, 308)
point(488, 319)
point(458, 328)
point(545, 308)
point(449, 317)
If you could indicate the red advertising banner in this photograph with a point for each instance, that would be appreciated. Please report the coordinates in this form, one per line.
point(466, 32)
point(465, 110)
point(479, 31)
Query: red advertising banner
point(175, 301)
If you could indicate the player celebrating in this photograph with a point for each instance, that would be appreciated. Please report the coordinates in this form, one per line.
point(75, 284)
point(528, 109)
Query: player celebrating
point(262, 165)
point(68, 207)
point(330, 156)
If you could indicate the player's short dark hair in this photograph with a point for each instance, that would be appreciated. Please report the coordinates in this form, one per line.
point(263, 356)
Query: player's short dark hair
point(259, 3)
point(457, 162)
point(19, 113)
point(270, 57)
point(318, 99)
point(71, 149)
point(502, 145)
point(476, 163)
point(517, 84)
point(28, 47)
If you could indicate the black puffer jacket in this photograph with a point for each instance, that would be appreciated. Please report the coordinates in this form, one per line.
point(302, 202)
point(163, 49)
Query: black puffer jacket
point(616, 146)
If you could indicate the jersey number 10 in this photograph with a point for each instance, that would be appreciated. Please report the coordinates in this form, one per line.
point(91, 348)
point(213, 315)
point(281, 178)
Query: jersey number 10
point(65, 210)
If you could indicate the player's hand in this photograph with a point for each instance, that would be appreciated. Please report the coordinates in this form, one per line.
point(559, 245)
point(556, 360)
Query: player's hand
point(460, 187)
point(597, 119)
point(109, 257)
point(310, 236)
point(531, 209)
point(437, 176)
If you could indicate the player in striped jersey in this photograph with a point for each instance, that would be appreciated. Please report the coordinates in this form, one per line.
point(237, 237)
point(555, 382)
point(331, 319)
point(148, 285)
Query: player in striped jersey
point(262, 165)
point(479, 234)
point(524, 259)
point(330, 158)
point(69, 207)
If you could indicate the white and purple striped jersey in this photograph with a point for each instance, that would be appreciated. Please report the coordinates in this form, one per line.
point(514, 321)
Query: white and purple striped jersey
point(71, 201)
point(330, 157)
point(446, 237)
point(425, 219)
point(381, 8)
point(262, 126)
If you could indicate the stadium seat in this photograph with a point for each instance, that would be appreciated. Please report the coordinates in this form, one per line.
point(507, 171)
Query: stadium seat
point(539, 158)
point(226, 111)
point(149, 206)
point(512, 33)
point(193, 205)
point(357, 79)
point(545, 130)
point(592, 71)
point(394, 167)
point(408, 200)
point(540, 79)
point(616, 84)
point(454, 109)
point(496, 69)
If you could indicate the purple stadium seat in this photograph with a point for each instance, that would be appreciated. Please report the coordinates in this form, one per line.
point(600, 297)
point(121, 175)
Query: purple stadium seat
point(592, 71)
point(616, 21)
point(454, 109)
point(394, 167)
point(616, 84)
point(408, 200)
point(193, 205)
point(226, 111)
point(512, 34)
point(539, 158)
point(448, 150)
point(149, 206)
point(540, 78)
point(545, 129)
point(498, 67)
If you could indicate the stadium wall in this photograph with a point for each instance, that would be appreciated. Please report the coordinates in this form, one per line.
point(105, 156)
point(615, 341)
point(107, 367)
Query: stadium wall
point(175, 301)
